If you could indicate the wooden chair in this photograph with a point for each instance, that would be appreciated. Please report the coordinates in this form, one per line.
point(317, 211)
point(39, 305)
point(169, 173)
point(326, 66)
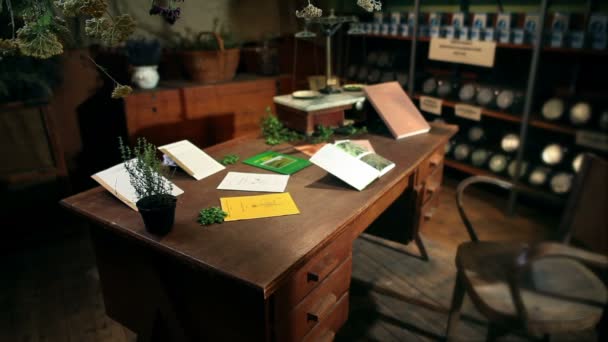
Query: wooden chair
point(545, 288)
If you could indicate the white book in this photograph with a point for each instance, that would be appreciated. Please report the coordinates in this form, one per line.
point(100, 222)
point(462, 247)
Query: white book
point(352, 163)
point(116, 181)
point(192, 159)
point(246, 181)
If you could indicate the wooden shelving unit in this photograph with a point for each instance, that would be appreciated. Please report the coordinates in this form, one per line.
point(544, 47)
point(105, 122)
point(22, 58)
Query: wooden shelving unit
point(475, 171)
point(535, 122)
point(499, 45)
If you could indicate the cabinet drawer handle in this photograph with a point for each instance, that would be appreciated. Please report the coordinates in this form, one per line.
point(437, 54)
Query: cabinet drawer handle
point(328, 336)
point(322, 308)
point(328, 263)
point(154, 110)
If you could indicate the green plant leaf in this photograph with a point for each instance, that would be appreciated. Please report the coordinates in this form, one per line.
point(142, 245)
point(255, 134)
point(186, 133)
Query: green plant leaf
point(211, 215)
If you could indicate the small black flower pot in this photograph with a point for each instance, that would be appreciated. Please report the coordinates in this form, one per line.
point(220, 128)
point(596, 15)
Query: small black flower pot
point(158, 213)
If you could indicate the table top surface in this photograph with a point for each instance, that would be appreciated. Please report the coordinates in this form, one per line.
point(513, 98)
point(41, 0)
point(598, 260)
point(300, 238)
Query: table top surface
point(321, 102)
point(261, 252)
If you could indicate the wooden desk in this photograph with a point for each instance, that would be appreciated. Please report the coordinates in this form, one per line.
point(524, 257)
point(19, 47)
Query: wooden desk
point(273, 279)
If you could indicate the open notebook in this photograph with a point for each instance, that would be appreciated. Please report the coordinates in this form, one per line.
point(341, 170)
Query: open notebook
point(116, 181)
point(192, 159)
point(396, 109)
point(352, 163)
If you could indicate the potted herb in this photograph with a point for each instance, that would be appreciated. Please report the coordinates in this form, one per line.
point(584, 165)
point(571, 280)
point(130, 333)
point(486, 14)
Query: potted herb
point(144, 57)
point(156, 204)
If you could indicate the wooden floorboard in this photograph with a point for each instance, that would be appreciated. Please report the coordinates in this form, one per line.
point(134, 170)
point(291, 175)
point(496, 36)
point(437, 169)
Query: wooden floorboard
point(51, 291)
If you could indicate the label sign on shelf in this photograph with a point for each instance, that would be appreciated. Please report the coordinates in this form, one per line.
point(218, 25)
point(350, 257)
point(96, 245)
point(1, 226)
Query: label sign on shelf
point(431, 105)
point(480, 53)
point(596, 140)
point(467, 111)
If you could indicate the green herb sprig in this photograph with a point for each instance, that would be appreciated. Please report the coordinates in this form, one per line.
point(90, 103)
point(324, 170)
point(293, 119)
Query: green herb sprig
point(229, 159)
point(274, 132)
point(211, 215)
point(322, 134)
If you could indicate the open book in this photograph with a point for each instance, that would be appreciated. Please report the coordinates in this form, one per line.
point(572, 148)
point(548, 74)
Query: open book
point(191, 159)
point(396, 109)
point(116, 181)
point(352, 163)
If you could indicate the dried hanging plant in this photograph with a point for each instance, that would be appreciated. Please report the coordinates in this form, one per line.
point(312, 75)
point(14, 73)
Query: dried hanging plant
point(43, 33)
point(170, 12)
point(370, 5)
point(310, 11)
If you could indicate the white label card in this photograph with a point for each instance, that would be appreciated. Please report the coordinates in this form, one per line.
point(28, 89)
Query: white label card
point(431, 105)
point(254, 182)
point(468, 112)
point(480, 53)
point(592, 139)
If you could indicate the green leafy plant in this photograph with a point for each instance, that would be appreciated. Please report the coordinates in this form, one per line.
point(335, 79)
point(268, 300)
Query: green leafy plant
point(229, 159)
point(211, 215)
point(145, 170)
point(322, 134)
point(274, 132)
point(351, 130)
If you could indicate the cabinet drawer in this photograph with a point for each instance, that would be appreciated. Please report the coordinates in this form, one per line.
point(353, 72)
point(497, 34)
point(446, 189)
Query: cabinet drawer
point(326, 331)
point(429, 165)
point(316, 307)
point(312, 273)
point(432, 184)
point(153, 108)
point(200, 102)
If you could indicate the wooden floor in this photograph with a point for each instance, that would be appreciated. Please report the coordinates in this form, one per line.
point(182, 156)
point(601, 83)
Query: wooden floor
point(51, 292)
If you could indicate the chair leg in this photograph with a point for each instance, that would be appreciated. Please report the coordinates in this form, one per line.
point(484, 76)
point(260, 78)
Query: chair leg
point(423, 254)
point(457, 299)
point(494, 331)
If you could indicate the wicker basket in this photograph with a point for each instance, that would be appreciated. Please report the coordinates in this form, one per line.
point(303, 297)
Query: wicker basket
point(212, 66)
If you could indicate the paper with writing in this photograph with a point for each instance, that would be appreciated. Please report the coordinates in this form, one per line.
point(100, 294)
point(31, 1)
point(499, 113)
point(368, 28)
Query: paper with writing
point(252, 207)
point(245, 181)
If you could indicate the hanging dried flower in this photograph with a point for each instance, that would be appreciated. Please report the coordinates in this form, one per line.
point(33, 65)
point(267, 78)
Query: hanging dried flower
point(120, 91)
point(119, 31)
point(95, 27)
point(8, 47)
point(40, 44)
point(370, 5)
point(309, 12)
point(94, 8)
point(169, 13)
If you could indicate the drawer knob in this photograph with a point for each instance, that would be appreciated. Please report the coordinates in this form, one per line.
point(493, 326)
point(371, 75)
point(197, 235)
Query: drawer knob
point(322, 308)
point(154, 110)
point(323, 267)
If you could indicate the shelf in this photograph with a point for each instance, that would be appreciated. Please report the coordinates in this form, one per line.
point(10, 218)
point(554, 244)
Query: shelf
point(534, 122)
point(475, 171)
point(513, 46)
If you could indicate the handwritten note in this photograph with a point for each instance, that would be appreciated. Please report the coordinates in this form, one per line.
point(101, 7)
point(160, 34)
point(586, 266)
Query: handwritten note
point(252, 207)
point(254, 182)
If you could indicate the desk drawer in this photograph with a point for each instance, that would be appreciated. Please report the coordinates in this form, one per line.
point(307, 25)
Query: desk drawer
point(316, 307)
point(432, 184)
point(312, 273)
point(153, 108)
point(429, 165)
point(326, 331)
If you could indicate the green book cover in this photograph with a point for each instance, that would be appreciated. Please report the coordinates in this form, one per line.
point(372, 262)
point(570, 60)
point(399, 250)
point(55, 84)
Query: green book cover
point(278, 162)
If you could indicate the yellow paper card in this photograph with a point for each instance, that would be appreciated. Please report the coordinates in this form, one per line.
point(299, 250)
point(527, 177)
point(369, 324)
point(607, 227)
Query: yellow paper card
point(251, 207)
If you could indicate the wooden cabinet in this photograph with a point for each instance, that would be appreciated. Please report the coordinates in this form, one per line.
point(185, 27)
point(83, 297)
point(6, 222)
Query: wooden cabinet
point(205, 114)
point(428, 184)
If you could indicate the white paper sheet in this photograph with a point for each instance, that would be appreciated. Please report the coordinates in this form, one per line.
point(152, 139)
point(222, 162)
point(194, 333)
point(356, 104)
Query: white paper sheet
point(262, 182)
point(344, 166)
point(192, 159)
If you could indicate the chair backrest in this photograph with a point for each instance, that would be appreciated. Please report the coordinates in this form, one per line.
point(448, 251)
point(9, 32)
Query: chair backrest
point(585, 220)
